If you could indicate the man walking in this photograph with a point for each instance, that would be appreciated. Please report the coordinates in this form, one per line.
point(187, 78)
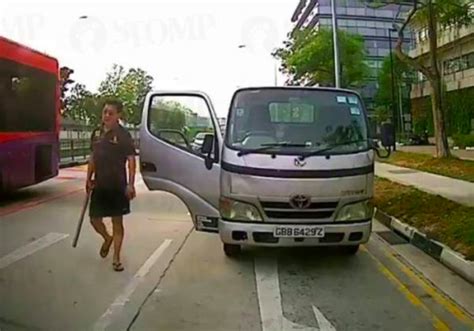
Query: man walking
point(112, 149)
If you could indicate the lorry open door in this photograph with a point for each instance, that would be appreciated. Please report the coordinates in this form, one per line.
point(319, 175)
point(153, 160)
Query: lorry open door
point(172, 160)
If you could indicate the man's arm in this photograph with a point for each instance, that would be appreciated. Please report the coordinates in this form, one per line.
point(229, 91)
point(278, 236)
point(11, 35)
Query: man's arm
point(90, 173)
point(90, 164)
point(132, 167)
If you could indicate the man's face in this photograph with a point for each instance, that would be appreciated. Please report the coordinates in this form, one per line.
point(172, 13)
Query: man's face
point(110, 116)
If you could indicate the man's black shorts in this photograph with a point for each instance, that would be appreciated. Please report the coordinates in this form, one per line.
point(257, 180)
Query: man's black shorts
point(108, 203)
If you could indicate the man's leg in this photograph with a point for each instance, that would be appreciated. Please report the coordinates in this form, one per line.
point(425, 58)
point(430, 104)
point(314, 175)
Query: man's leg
point(118, 233)
point(100, 228)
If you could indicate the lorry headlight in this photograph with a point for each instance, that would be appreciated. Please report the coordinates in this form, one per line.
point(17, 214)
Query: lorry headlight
point(358, 211)
point(239, 211)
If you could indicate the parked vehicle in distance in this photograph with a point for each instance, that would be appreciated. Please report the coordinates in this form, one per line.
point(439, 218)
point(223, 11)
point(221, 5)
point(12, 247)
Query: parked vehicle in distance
point(294, 168)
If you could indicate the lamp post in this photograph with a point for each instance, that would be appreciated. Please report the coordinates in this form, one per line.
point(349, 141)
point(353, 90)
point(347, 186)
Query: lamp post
point(394, 109)
point(335, 44)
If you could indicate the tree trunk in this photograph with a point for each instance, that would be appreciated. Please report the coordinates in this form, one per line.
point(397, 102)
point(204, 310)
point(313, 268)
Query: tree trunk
point(442, 147)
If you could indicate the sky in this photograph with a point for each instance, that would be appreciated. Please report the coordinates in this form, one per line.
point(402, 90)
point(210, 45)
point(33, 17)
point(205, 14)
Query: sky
point(183, 44)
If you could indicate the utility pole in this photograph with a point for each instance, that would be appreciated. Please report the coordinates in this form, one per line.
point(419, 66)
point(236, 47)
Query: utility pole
point(400, 108)
point(335, 44)
point(394, 109)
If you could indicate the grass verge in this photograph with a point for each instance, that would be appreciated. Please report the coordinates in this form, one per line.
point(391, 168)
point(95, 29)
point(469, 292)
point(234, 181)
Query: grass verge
point(449, 167)
point(443, 220)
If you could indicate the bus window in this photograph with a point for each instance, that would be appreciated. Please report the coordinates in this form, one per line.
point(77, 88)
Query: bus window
point(27, 97)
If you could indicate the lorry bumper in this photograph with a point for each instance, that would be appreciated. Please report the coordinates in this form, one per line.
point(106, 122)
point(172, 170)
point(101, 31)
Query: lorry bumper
point(261, 234)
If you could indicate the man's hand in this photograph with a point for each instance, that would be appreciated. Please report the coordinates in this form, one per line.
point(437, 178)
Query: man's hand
point(89, 185)
point(130, 192)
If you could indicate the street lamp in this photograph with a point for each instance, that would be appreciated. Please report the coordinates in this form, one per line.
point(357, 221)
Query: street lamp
point(335, 44)
point(394, 109)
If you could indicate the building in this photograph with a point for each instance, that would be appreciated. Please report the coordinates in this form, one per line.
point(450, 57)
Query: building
point(456, 55)
point(456, 58)
point(374, 25)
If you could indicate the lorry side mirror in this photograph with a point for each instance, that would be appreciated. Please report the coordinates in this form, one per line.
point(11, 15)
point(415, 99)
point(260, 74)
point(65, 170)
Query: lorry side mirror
point(207, 144)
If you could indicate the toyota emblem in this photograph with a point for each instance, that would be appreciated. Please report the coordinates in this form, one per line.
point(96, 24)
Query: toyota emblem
point(300, 201)
point(299, 163)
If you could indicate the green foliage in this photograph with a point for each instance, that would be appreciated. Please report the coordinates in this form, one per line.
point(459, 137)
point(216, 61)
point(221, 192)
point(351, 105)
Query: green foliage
point(308, 58)
point(448, 167)
point(459, 112)
point(64, 80)
point(168, 115)
point(130, 87)
point(382, 114)
point(443, 220)
point(463, 140)
point(402, 73)
point(432, 15)
point(448, 12)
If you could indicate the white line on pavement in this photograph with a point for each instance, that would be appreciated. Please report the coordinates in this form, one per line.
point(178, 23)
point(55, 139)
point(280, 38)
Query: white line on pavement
point(270, 303)
point(104, 321)
point(31, 248)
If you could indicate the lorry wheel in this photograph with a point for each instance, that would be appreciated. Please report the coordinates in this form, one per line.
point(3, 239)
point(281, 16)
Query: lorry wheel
point(350, 250)
point(232, 250)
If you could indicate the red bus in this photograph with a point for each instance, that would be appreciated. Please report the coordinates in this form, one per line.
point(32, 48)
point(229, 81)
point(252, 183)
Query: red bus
point(29, 116)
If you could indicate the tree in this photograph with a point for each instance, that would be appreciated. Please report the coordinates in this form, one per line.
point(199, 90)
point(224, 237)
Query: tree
point(64, 80)
point(168, 115)
point(110, 85)
point(307, 57)
point(403, 76)
point(133, 90)
point(84, 105)
point(130, 87)
point(401, 72)
point(76, 103)
point(433, 15)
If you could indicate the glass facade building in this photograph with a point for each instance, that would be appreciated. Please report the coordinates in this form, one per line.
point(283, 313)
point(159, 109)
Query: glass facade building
point(375, 25)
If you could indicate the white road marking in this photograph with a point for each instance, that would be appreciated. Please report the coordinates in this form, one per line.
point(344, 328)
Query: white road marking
point(117, 305)
point(31, 248)
point(269, 300)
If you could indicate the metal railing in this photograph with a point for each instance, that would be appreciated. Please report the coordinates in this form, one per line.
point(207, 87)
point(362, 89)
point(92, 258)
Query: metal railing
point(74, 142)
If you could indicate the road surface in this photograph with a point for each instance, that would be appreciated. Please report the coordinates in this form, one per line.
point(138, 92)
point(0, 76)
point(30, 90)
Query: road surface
point(177, 279)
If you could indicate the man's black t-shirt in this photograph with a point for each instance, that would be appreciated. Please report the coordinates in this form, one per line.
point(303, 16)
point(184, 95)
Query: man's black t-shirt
point(110, 150)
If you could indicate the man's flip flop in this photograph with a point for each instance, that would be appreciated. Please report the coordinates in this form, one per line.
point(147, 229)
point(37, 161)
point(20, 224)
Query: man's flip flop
point(118, 266)
point(104, 250)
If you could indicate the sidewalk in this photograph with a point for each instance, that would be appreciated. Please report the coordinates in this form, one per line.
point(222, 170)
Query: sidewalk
point(453, 189)
point(431, 150)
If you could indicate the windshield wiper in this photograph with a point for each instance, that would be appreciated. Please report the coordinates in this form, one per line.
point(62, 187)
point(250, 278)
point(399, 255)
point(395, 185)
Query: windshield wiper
point(267, 147)
point(323, 150)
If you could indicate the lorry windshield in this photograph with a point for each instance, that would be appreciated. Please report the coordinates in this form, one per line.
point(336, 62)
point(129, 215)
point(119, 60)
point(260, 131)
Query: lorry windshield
point(297, 121)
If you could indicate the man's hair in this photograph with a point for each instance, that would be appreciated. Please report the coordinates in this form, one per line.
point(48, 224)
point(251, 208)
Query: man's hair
point(115, 103)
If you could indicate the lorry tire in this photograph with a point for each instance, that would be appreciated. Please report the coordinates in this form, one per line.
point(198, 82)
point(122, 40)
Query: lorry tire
point(350, 250)
point(232, 250)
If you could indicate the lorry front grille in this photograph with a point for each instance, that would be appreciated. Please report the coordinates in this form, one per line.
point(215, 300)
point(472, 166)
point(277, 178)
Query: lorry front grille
point(316, 210)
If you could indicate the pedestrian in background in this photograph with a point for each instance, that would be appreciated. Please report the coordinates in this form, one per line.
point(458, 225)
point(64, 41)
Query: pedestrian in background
point(107, 182)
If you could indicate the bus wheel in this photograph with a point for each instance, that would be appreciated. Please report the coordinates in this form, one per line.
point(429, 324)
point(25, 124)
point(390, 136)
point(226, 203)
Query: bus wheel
point(232, 250)
point(350, 250)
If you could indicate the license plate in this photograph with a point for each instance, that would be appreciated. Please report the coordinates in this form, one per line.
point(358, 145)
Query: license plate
point(299, 231)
